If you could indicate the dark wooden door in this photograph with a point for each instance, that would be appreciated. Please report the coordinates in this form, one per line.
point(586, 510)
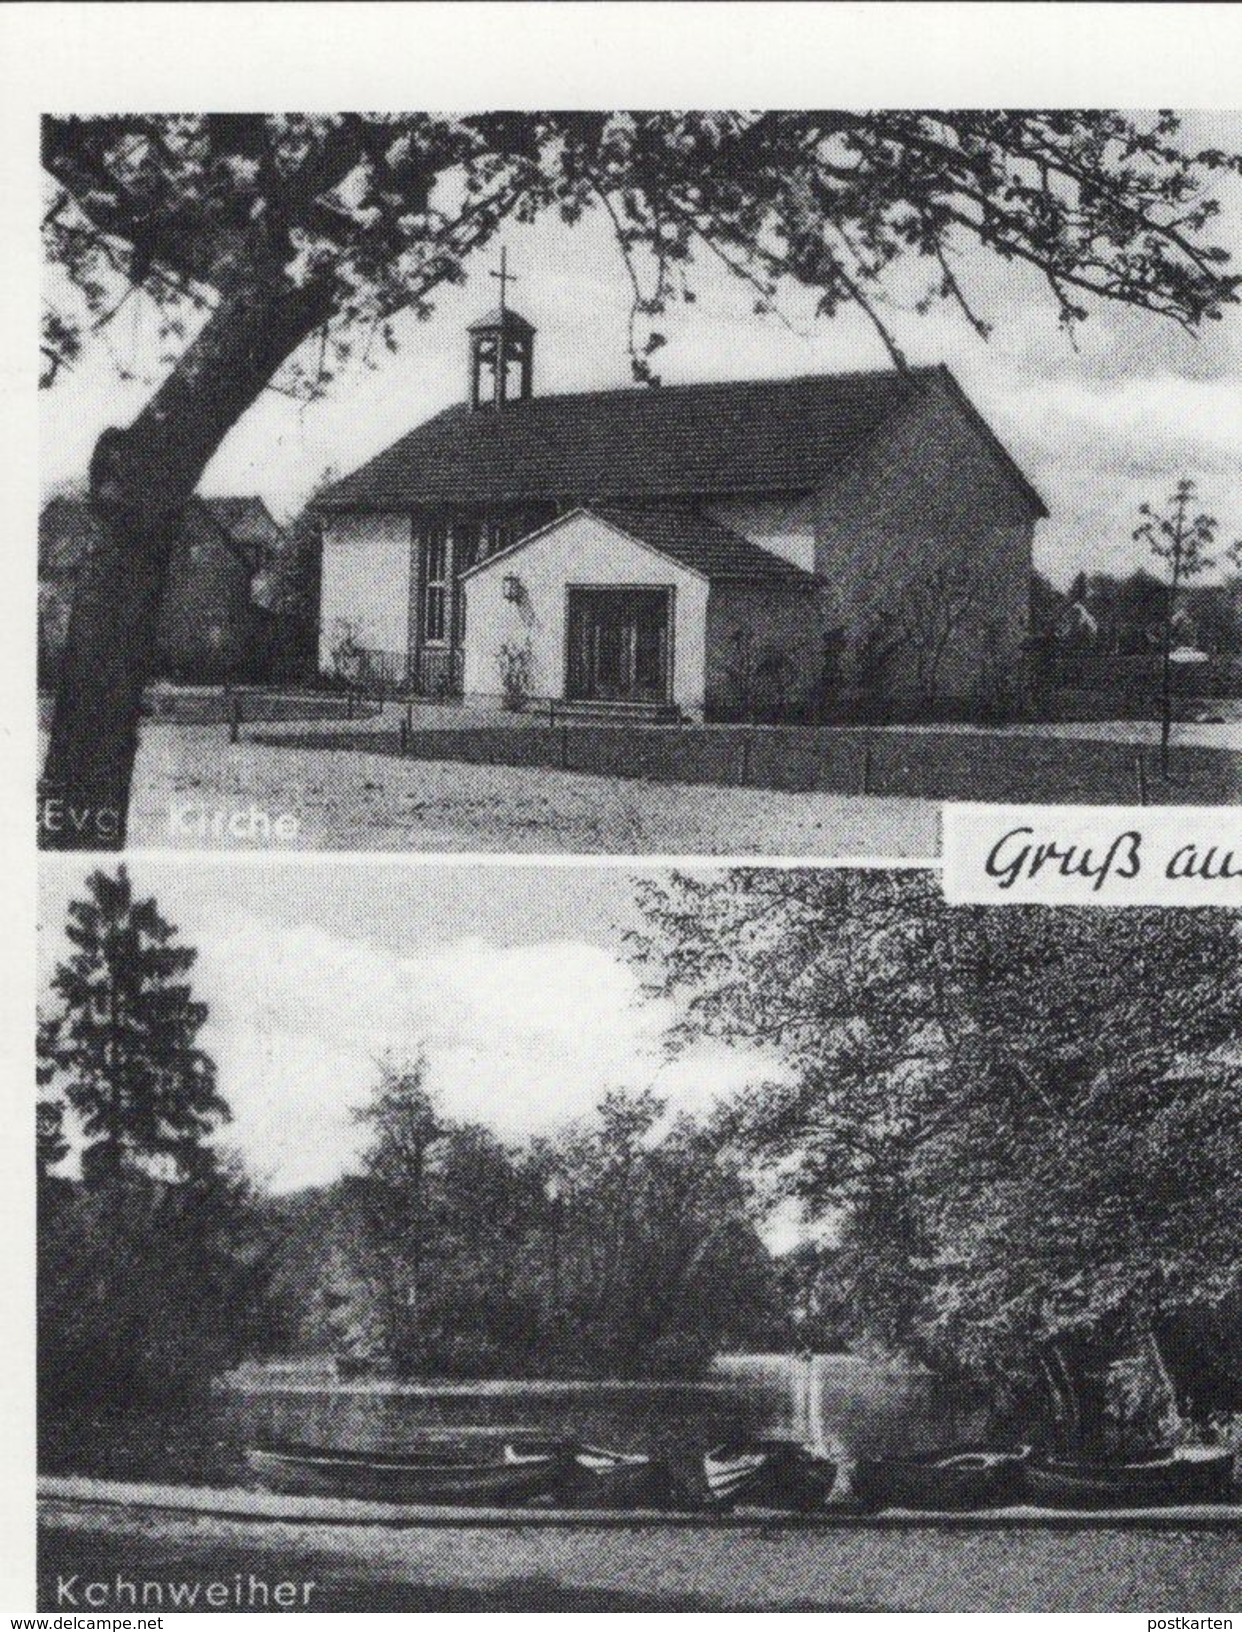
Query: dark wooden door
point(619, 645)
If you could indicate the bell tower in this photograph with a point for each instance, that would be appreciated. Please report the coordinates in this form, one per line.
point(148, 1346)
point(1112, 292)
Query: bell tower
point(502, 350)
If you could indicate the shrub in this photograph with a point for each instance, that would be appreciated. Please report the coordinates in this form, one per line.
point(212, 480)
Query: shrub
point(516, 665)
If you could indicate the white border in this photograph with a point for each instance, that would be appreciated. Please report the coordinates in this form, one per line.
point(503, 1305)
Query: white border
point(244, 55)
point(240, 54)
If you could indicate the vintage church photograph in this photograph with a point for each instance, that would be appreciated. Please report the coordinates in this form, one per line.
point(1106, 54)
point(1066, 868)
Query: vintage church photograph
point(647, 483)
point(569, 645)
point(685, 553)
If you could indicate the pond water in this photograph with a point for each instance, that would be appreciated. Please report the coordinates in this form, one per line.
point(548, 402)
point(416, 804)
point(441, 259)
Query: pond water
point(843, 1405)
point(849, 1405)
point(840, 1404)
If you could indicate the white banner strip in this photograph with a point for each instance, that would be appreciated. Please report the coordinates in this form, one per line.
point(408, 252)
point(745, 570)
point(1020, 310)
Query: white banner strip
point(1093, 855)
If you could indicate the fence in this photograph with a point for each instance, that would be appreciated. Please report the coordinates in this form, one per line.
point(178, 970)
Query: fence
point(1139, 678)
point(238, 705)
point(924, 764)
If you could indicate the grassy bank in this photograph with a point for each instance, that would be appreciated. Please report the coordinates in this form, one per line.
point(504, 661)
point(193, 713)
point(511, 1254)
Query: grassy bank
point(643, 1568)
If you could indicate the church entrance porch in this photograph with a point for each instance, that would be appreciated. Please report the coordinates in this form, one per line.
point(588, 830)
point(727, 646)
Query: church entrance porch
point(603, 619)
point(619, 644)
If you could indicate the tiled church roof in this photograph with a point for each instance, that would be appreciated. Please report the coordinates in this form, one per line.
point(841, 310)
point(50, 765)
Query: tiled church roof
point(705, 545)
point(676, 441)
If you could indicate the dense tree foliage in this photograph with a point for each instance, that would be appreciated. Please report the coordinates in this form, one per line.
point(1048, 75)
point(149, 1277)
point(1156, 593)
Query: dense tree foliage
point(428, 1240)
point(275, 245)
point(152, 1266)
point(1023, 1122)
point(293, 585)
point(620, 1249)
point(660, 1265)
point(146, 1292)
point(121, 1046)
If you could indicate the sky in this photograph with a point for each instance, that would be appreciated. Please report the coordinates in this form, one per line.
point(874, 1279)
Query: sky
point(511, 980)
point(1098, 430)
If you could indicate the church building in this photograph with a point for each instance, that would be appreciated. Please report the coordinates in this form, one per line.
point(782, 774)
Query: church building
point(739, 549)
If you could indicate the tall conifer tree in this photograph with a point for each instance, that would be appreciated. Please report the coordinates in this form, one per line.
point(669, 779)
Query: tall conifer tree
point(123, 1046)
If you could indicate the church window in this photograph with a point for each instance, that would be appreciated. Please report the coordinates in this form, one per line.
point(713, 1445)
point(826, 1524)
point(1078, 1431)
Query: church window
point(515, 372)
point(435, 583)
point(467, 544)
point(500, 535)
point(483, 387)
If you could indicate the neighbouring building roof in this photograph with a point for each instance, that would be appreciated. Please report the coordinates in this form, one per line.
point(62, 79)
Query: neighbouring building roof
point(247, 521)
point(244, 523)
point(68, 533)
point(675, 441)
point(689, 537)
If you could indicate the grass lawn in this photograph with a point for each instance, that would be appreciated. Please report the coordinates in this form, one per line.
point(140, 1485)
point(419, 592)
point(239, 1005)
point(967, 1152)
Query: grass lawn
point(374, 801)
point(645, 1568)
point(666, 793)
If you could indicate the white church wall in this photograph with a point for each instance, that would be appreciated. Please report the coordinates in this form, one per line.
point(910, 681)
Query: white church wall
point(366, 585)
point(580, 550)
point(786, 526)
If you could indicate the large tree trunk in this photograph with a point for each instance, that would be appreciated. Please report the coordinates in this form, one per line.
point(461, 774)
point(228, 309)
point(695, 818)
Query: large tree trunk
point(141, 479)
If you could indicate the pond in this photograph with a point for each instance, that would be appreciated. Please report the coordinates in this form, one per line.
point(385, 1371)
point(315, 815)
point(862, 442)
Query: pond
point(839, 1404)
point(850, 1405)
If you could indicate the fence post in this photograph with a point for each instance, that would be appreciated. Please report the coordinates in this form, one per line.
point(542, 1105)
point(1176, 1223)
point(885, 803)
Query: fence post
point(564, 747)
point(403, 731)
point(234, 709)
point(1140, 776)
point(866, 765)
point(743, 769)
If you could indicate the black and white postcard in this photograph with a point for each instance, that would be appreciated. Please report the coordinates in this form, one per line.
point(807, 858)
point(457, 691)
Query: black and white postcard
point(569, 1238)
point(727, 483)
point(624, 987)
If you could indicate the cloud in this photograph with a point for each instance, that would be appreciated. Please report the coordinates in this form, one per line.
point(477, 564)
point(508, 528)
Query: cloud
point(1140, 426)
point(1096, 448)
point(523, 1038)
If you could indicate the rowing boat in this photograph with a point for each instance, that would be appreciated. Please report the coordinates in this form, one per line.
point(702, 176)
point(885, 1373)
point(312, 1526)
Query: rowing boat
point(942, 1481)
point(432, 1476)
point(593, 1477)
point(1186, 1477)
point(768, 1473)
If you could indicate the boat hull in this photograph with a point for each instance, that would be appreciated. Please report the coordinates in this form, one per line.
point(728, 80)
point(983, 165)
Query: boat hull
point(1169, 1482)
point(413, 1480)
point(942, 1481)
point(591, 1477)
point(771, 1473)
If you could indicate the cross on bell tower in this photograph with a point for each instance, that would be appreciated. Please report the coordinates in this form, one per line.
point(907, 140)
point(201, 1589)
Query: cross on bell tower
point(502, 347)
point(504, 276)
